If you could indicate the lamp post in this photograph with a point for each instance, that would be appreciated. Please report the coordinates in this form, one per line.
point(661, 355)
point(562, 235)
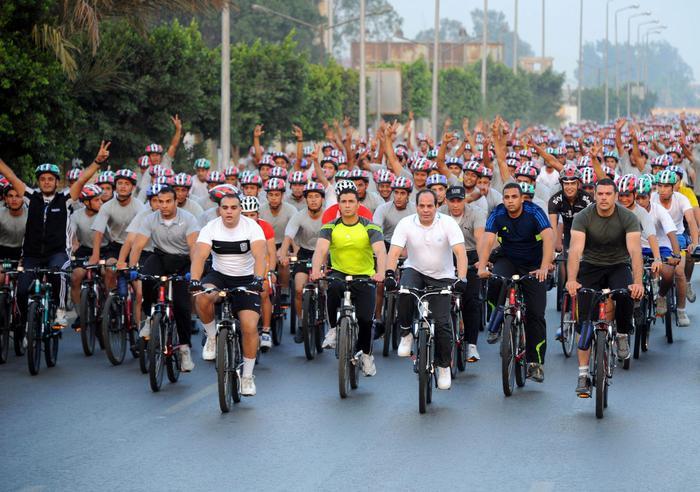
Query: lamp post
point(436, 55)
point(225, 127)
point(617, 62)
point(542, 28)
point(651, 31)
point(629, 56)
point(639, 50)
point(580, 59)
point(515, 40)
point(363, 75)
point(484, 53)
point(605, 63)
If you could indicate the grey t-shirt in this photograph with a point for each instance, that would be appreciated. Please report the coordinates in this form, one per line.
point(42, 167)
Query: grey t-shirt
point(299, 205)
point(12, 228)
point(606, 237)
point(169, 236)
point(81, 225)
point(208, 216)
point(470, 220)
point(116, 218)
point(278, 222)
point(493, 199)
point(135, 226)
point(192, 207)
point(387, 216)
point(372, 200)
point(303, 229)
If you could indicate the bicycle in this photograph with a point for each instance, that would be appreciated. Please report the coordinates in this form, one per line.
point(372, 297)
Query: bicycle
point(644, 313)
point(389, 309)
point(313, 317)
point(560, 278)
point(163, 345)
point(602, 364)
point(459, 345)
point(424, 330)
point(293, 260)
point(92, 298)
point(40, 314)
point(119, 322)
point(346, 339)
point(567, 324)
point(278, 309)
point(10, 317)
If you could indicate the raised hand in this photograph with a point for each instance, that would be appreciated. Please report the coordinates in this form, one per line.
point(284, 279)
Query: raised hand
point(258, 131)
point(103, 153)
point(296, 131)
point(447, 137)
point(177, 122)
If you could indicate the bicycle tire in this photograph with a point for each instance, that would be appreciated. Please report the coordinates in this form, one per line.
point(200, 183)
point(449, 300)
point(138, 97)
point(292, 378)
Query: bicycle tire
point(320, 335)
point(567, 325)
point(354, 365)
point(5, 316)
point(34, 321)
point(423, 371)
point(277, 327)
point(639, 328)
point(308, 324)
point(343, 357)
point(461, 345)
point(520, 365)
point(668, 322)
point(156, 360)
point(292, 306)
point(507, 351)
point(113, 331)
point(456, 343)
point(600, 373)
point(87, 322)
point(172, 361)
point(560, 286)
point(389, 307)
point(223, 370)
point(51, 349)
point(237, 358)
point(18, 334)
point(143, 355)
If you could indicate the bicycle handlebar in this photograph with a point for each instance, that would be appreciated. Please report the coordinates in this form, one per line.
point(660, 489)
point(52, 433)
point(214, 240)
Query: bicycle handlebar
point(604, 293)
point(226, 292)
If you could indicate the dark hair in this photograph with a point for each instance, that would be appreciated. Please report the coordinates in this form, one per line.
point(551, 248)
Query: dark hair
point(606, 182)
point(230, 195)
point(351, 191)
point(513, 186)
point(168, 189)
point(423, 192)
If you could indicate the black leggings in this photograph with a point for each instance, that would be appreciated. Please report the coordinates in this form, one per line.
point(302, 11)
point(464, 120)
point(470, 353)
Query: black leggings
point(606, 277)
point(363, 298)
point(471, 307)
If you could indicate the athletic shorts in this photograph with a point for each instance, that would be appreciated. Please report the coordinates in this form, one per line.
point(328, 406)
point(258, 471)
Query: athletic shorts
point(303, 259)
point(241, 301)
point(664, 250)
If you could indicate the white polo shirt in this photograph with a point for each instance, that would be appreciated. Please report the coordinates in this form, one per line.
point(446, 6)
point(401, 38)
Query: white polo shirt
point(429, 248)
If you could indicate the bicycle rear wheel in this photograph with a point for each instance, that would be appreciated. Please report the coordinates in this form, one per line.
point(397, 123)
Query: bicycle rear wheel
point(87, 322)
point(34, 323)
point(508, 357)
point(156, 358)
point(113, 330)
point(51, 349)
point(422, 362)
point(560, 285)
point(601, 372)
point(143, 355)
point(224, 370)
point(343, 357)
point(568, 325)
point(5, 315)
point(308, 324)
point(172, 361)
point(389, 311)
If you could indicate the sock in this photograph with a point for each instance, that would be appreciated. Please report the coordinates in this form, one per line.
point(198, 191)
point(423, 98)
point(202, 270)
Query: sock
point(210, 328)
point(583, 370)
point(248, 365)
point(266, 329)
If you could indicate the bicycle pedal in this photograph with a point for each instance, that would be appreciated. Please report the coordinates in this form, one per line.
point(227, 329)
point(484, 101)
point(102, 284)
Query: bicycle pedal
point(584, 396)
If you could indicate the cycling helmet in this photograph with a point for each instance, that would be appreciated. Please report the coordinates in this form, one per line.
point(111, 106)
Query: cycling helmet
point(358, 173)
point(402, 183)
point(344, 186)
point(526, 170)
point(513, 155)
point(608, 142)
point(421, 164)
point(383, 176)
point(222, 190)
point(583, 161)
point(610, 172)
point(432, 154)
point(676, 169)
point(342, 174)
point(525, 154)
point(144, 162)
point(662, 160)
point(202, 164)
point(436, 179)
point(326, 145)
point(166, 180)
point(486, 172)
point(588, 176)
point(266, 161)
point(281, 155)
point(183, 179)
point(275, 184)
point(154, 149)
point(454, 161)
point(298, 177)
point(308, 150)
point(278, 172)
point(250, 204)
point(74, 174)
point(331, 160)
point(47, 169)
point(612, 154)
point(215, 177)
point(90, 191)
point(527, 188)
point(127, 174)
point(569, 174)
point(627, 184)
point(106, 177)
point(645, 184)
point(644, 151)
point(231, 171)
point(252, 179)
point(153, 190)
point(472, 166)
point(512, 163)
point(317, 187)
point(401, 152)
point(675, 149)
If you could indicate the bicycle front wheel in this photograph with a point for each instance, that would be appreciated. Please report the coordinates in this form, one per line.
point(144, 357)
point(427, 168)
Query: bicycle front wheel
point(277, 319)
point(601, 373)
point(34, 323)
point(224, 370)
point(568, 325)
point(114, 330)
point(508, 357)
point(423, 363)
point(389, 311)
point(5, 307)
point(87, 322)
point(156, 361)
point(172, 361)
point(344, 354)
point(308, 324)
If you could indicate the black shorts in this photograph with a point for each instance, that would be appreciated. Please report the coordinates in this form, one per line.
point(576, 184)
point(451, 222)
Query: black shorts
point(111, 250)
point(241, 301)
point(9, 253)
point(303, 260)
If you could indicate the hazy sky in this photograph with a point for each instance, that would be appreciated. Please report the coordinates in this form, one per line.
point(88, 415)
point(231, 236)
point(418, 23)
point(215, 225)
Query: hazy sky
point(562, 23)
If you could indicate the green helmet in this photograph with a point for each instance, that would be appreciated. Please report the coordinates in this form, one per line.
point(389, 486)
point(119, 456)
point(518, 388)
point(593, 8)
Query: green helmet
point(527, 188)
point(667, 177)
point(47, 168)
point(645, 184)
point(202, 164)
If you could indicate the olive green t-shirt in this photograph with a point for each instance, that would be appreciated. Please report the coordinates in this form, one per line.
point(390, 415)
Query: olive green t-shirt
point(606, 237)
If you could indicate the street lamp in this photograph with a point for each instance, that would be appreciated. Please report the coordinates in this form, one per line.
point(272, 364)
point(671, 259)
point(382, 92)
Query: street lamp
point(484, 52)
point(617, 63)
point(629, 55)
point(580, 60)
point(638, 49)
point(605, 63)
point(515, 40)
point(651, 31)
point(225, 126)
point(436, 52)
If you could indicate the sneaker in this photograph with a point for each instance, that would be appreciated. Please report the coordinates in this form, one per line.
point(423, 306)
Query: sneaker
point(367, 365)
point(557, 336)
point(689, 292)
point(661, 306)
point(583, 389)
point(444, 378)
point(493, 337)
point(623, 346)
point(209, 350)
point(60, 318)
point(145, 331)
point(535, 371)
point(76, 324)
point(405, 346)
point(248, 385)
point(472, 353)
point(377, 329)
point(329, 341)
point(265, 341)
point(683, 319)
point(186, 363)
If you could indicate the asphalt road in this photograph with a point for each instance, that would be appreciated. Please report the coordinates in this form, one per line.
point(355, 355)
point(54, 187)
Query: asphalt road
point(85, 425)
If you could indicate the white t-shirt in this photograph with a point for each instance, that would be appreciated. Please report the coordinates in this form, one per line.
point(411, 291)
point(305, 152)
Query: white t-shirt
point(231, 247)
point(663, 223)
point(679, 205)
point(429, 248)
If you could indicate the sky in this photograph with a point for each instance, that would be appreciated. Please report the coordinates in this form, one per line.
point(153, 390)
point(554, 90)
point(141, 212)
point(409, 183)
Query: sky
point(562, 23)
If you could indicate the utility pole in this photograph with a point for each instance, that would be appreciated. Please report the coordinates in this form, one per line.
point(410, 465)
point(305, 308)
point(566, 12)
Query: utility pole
point(484, 53)
point(329, 36)
point(580, 58)
point(607, 44)
point(225, 136)
point(436, 55)
point(515, 40)
point(363, 75)
point(542, 28)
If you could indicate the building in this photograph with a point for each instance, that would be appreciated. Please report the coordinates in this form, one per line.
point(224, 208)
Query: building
point(451, 54)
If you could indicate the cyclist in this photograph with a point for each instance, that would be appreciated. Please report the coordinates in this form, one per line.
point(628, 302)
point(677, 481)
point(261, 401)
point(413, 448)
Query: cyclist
point(565, 204)
point(155, 154)
point(353, 241)
point(605, 252)
point(430, 239)
point(237, 247)
point(13, 223)
point(527, 241)
point(295, 196)
point(173, 232)
point(182, 184)
point(105, 180)
point(483, 183)
point(383, 178)
point(369, 199)
point(250, 208)
point(437, 183)
point(214, 178)
point(199, 182)
point(48, 225)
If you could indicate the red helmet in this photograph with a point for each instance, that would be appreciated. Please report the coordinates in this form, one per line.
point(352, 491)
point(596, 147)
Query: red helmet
point(231, 171)
point(183, 179)
point(222, 190)
point(127, 174)
point(215, 177)
point(90, 191)
point(253, 179)
point(278, 172)
point(627, 183)
point(144, 162)
point(311, 187)
point(275, 184)
point(569, 173)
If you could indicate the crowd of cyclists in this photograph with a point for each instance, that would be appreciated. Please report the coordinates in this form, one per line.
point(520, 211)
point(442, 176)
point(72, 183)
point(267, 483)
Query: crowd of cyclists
point(398, 210)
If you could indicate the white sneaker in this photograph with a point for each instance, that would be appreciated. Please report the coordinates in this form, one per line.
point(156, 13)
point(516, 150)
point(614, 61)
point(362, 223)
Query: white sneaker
point(60, 318)
point(209, 349)
point(683, 319)
point(248, 386)
point(145, 331)
point(265, 341)
point(405, 346)
point(368, 367)
point(661, 306)
point(689, 292)
point(472, 353)
point(186, 362)
point(329, 341)
point(444, 378)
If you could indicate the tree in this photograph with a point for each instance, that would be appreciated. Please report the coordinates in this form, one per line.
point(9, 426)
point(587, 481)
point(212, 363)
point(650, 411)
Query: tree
point(450, 31)
point(499, 32)
point(546, 90)
point(593, 103)
point(378, 27)
point(459, 94)
point(416, 87)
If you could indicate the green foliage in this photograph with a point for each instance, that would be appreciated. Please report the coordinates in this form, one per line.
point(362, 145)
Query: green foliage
point(546, 90)
point(459, 94)
point(593, 103)
point(416, 87)
point(499, 32)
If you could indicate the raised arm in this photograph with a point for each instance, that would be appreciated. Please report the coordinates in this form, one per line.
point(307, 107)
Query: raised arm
point(442, 167)
point(177, 136)
point(16, 183)
point(619, 124)
point(499, 142)
point(299, 135)
point(257, 133)
point(102, 156)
